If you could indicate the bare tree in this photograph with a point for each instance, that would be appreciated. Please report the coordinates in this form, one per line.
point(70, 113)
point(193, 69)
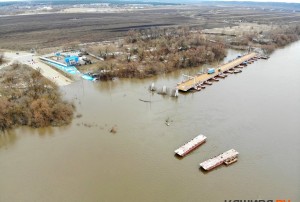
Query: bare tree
point(1, 58)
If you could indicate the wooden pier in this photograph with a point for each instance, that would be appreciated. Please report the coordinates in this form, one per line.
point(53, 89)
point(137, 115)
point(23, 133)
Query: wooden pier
point(227, 158)
point(191, 145)
point(199, 79)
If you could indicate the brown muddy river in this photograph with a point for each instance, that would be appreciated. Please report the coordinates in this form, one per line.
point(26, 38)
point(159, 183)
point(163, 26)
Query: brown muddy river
point(256, 112)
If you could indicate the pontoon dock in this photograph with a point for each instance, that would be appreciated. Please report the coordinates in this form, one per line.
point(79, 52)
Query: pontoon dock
point(192, 81)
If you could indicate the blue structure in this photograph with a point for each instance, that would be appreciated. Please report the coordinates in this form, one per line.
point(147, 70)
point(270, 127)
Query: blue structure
point(71, 60)
point(67, 69)
point(87, 77)
point(71, 70)
point(211, 70)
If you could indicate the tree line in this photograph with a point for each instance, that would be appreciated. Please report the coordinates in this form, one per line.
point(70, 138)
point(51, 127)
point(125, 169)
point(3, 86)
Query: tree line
point(155, 51)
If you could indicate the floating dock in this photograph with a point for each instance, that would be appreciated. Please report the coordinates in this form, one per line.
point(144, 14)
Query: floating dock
point(227, 158)
point(191, 145)
point(192, 81)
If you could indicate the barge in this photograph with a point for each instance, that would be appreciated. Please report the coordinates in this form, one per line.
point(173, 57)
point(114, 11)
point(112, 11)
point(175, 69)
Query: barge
point(198, 87)
point(227, 158)
point(190, 146)
point(265, 57)
point(237, 71)
point(208, 83)
point(229, 71)
point(215, 79)
point(222, 75)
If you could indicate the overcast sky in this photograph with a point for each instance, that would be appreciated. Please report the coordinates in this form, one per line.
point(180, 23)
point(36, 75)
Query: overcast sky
point(289, 1)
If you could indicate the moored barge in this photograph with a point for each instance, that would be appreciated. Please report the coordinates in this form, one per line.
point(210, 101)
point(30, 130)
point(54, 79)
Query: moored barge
point(227, 158)
point(190, 146)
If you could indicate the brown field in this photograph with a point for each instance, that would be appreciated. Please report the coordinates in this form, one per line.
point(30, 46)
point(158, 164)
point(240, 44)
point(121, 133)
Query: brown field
point(23, 32)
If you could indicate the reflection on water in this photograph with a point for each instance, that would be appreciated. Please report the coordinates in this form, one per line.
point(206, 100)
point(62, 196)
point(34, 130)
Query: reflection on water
point(255, 112)
point(7, 138)
point(10, 137)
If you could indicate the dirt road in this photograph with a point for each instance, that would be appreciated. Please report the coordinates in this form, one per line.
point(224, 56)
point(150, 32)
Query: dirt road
point(33, 61)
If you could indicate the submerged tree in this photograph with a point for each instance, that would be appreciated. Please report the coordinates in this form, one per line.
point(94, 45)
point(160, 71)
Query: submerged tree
point(38, 104)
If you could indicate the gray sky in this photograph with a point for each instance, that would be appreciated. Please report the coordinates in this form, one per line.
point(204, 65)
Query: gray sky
point(289, 1)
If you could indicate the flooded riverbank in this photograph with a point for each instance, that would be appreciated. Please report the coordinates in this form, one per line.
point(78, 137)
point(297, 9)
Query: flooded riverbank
point(256, 112)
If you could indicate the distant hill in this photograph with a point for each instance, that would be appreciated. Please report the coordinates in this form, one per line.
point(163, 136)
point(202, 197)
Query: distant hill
point(76, 2)
point(277, 5)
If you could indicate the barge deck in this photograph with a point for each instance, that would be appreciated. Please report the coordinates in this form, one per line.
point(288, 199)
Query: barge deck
point(190, 146)
point(227, 158)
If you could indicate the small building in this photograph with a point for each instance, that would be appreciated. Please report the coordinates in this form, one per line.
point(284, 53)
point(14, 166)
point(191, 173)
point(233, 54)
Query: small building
point(71, 60)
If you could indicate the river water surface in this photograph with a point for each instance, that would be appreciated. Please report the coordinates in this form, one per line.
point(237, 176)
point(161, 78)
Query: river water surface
point(256, 112)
